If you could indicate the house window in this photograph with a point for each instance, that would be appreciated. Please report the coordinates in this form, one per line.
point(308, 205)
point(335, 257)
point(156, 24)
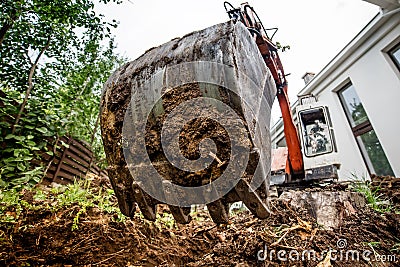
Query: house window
point(366, 138)
point(395, 55)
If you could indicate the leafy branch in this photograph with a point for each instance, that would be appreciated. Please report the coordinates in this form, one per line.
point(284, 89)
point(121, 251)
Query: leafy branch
point(55, 58)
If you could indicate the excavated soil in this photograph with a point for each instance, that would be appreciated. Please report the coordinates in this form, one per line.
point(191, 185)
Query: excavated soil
point(190, 137)
point(44, 238)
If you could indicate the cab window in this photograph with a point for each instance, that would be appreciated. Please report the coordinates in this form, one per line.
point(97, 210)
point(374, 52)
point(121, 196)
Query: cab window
point(315, 132)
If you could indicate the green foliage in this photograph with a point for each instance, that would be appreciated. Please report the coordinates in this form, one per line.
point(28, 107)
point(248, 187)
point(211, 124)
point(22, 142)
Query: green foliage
point(76, 193)
point(40, 196)
point(376, 154)
point(77, 197)
point(373, 198)
point(105, 201)
point(75, 223)
point(10, 207)
point(281, 47)
point(196, 216)
point(20, 148)
point(54, 59)
point(166, 220)
point(80, 193)
point(62, 28)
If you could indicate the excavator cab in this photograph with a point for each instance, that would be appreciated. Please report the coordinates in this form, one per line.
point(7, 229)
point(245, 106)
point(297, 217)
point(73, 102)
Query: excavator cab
point(317, 140)
point(318, 147)
point(315, 132)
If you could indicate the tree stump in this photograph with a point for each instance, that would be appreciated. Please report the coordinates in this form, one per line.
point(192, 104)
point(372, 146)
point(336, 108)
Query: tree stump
point(329, 208)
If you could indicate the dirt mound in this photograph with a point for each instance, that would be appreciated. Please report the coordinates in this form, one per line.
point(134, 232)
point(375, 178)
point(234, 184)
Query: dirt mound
point(42, 237)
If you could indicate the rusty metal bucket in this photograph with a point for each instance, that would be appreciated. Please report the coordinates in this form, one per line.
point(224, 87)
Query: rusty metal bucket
point(188, 123)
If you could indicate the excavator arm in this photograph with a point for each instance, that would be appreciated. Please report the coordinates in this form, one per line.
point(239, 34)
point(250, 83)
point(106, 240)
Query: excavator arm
point(269, 52)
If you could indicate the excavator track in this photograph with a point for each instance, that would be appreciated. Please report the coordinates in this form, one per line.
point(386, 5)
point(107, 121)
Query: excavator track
point(144, 107)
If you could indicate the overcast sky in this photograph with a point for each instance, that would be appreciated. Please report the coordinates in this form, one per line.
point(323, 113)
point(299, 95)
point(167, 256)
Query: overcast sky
point(316, 30)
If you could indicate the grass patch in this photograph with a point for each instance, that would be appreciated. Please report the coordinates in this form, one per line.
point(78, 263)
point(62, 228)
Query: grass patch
point(374, 199)
point(79, 194)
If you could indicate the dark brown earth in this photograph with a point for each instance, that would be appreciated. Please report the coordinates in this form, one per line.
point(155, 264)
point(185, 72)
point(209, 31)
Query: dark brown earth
point(44, 238)
point(190, 136)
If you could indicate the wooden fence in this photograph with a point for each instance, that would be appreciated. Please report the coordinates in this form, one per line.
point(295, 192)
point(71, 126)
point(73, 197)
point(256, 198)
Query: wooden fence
point(69, 162)
point(72, 161)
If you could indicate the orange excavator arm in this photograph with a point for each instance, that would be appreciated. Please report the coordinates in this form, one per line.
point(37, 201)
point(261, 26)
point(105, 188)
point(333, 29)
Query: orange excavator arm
point(269, 52)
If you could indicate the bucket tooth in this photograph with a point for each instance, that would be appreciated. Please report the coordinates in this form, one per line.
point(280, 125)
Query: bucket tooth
point(252, 200)
point(181, 214)
point(146, 206)
point(219, 211)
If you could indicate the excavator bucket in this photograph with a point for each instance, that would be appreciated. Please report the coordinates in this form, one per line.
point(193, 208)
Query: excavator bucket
point(187, 123)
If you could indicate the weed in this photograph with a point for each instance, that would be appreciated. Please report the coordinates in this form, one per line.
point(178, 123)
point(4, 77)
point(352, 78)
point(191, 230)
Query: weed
point(39, 196)
point(373, 244)
point(75, 223)
point(166, 220)
point(373, 198)
point(78, 194)
point(10, 207)
point(396, 247)
point(195, 216)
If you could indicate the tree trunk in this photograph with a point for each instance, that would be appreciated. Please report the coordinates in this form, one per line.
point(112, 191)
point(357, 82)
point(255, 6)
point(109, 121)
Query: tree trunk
point(7, 26)
point(96, 126)
point(3, 32)
point(30, 84)
point(62, 125)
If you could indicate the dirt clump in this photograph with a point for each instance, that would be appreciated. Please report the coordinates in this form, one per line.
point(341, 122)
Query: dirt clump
point(190, 136)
